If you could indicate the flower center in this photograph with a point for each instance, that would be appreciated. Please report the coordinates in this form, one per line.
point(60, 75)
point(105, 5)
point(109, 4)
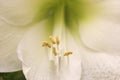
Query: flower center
point(57, 54)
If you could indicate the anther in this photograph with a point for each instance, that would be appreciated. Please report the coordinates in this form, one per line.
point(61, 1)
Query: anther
point(52, 39)
point(45, 43)
point(54, 51)
point(49, 45)
point(67, 53)
point(57, 40)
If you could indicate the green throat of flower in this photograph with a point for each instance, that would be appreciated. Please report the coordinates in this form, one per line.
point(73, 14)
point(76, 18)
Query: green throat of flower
point(67, 13)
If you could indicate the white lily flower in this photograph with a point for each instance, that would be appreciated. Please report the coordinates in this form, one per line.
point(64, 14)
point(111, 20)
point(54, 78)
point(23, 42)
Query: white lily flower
point(64, 18)
point(61, 19)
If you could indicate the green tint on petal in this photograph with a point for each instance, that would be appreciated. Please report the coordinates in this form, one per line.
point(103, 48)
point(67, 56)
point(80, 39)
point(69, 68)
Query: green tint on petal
point(74, 12)
point(45, 9)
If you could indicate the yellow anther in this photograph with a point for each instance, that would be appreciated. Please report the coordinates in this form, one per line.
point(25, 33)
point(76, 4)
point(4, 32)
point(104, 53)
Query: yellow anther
point(52, 39)
point(57, 40)
point(49, 45)
point(45, 43)
point(54, 51)
point(67, 53)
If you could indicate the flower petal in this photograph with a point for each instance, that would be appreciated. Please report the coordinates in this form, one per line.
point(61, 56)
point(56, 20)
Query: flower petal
point(18, 12)
point(9, 39)
point(102, 35)
point(100, 66)
point(111, 10)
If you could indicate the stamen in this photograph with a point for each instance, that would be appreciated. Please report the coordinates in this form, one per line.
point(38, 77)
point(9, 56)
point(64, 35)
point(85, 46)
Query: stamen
point(59, 65)
point(54, 51)
point(52, 39)
point(57, 40)
point(67, 53)
point(57, 54)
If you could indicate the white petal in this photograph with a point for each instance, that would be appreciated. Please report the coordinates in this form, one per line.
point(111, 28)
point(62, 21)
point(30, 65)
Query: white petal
point(14, 15)
point(9, 39)
point(102, 35)
point(111, 9)
point(100, 66)
point(17, 12)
